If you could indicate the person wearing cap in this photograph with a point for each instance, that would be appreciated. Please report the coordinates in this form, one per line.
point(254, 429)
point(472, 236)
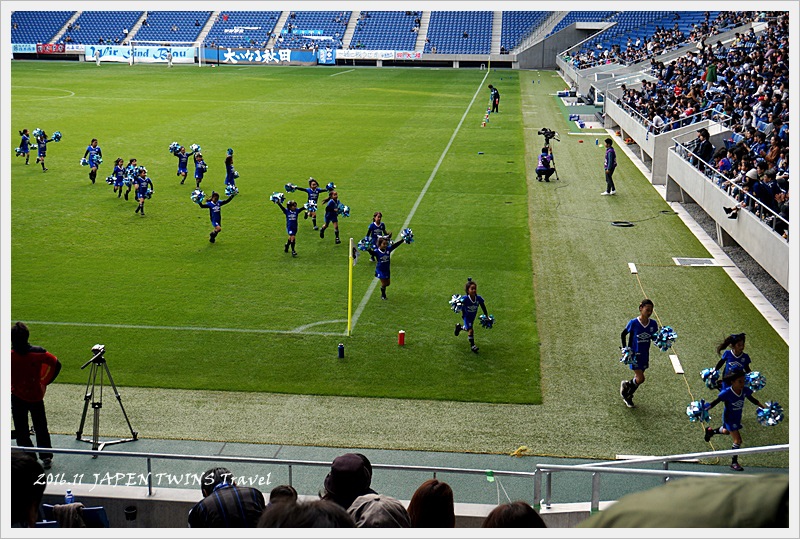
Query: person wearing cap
point(215, 210)
point(379, 511)
point(349, 478)
point(200, 168)
point(704, 150)
point(225, 504)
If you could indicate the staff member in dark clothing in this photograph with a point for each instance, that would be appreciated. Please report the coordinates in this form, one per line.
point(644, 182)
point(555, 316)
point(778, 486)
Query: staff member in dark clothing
point(609, 165)
point(226, 505)
point(494, 97)
point(32, 369)
point(543, 168)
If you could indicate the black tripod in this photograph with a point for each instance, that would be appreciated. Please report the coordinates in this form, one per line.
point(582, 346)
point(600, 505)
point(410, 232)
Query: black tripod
point(99, 366)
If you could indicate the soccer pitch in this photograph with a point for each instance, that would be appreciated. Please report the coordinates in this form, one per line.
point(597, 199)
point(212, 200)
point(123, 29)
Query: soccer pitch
point(179, 313)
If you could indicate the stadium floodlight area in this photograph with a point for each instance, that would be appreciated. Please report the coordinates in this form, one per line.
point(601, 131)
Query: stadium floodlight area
point(155, 51)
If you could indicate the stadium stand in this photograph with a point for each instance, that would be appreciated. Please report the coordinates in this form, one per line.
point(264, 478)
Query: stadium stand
point(518, 24)
point(460, 32)
point(387, 30)
point(172, 26)
point(581, 16)
point(328, 25)
point(91, 26)
point(243, 28)
point(37, 26)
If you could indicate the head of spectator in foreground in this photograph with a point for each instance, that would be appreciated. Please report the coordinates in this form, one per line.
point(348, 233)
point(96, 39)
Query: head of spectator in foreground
point(315, 514)
point(517, 514)
point(432, 506)
point(26, 489)
point(213, 478)
point(19, 337)
point(283, 494)
point(349, 478)
point(379, 511)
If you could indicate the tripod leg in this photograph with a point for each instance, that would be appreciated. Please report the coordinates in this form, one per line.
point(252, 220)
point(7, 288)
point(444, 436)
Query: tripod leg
point(87, 397)
point(134, 434)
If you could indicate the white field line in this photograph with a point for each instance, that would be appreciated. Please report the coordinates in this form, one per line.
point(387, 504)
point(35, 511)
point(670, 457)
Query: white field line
point(297, 331)
point(374, 282)
point(342, 72)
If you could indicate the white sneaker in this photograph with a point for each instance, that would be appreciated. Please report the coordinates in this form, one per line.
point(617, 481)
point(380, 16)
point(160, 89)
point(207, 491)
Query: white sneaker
point(604, 193)
point(613, 192)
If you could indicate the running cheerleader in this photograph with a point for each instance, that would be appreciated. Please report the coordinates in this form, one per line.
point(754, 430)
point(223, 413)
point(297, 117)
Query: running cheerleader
point(733, 359)
point(183, 163)
point(291, 212)
point(118, 176)
point(376, 231)
point(469, 310)
point(313, 192)
point(383, 254)
point(144, 188)
point(331, 215)
point(200, 168)
point(215, 211)
point(41, 142)
point(24, 145)
point(230, 173)
point(131, 173)
point(95, 157)
point(640, 331)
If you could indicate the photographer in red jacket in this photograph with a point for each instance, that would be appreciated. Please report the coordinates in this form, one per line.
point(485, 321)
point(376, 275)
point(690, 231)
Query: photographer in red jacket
point(32, 369)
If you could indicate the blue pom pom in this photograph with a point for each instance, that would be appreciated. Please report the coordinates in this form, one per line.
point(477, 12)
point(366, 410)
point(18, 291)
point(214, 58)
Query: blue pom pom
point(331, 186)
point(407, 235)
point(98, 160)
point(149, 193)
point(343, 210)
point(698, 411)
point(711, 378)
point(770, 415)
point(276, 197)
point(195, 148)
point(18, 151)
point(230, 151)
point(235, 173)
point(290, 187)
point(310, 206)
point(198, 196)
point(627, 356)
point(486, 321)
point(755, 380)
point(664, 338)
point(364, 244)
point(110, 180)
point(231, 190)
point(174, 147)
point(37, 132)
point(127, 181)
point(84, 162)
point(455, 303)
point(57, 136)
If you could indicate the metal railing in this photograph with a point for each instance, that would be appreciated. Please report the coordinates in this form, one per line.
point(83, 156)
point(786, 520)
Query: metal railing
point(740, 198)
point(719, 117)
point(545, 471)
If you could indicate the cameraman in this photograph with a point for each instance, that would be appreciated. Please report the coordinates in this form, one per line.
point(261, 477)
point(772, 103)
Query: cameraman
point(543, 168)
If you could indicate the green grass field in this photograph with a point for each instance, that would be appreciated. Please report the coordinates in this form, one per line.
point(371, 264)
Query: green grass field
point(552, 269)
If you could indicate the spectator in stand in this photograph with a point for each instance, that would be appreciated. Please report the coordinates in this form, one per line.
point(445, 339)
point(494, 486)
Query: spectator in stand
point(316, 514)
point(282, 494)
point(32, 369)
point(432, 506)
point(226, 505)
point(378, 511)
point(26, 489)
point(704, 150)
point(349, 478)
point(517, 514)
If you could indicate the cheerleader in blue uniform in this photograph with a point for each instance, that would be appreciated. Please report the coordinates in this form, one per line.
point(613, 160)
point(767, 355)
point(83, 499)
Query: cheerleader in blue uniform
point(41, 142)
point(640, 332)
point(331, 215)
point(183, 163)
point(313, 192)
point(733, 359)
point(24, 145)
point(376, 230)
point(291, 212)
point(93, 152)
point(469, 310)
point(200, 168)
point(383, 254)
point(230, 172)
point(733, 396)
point(215, 210)
point(118, 175)
point(142, 184)
point(131, 173)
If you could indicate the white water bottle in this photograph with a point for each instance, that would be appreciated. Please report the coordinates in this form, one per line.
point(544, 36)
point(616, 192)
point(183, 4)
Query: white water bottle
point(68, 497)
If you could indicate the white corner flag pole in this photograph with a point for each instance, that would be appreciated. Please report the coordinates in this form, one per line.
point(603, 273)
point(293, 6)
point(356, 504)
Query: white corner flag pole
point(352, 257)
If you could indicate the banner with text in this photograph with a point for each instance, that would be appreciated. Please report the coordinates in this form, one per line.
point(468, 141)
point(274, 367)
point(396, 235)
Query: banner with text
point(360, 54)
point(227, 55)
point(141, 54)
point(326, 56)
point(49, 48)
point(408, 55)
point(23, 48)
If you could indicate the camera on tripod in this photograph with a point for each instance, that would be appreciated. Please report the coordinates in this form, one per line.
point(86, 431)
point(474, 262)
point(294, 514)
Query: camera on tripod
point(548, 134)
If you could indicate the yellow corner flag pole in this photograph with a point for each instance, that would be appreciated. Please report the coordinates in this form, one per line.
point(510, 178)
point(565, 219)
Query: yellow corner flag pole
point(350, 263)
